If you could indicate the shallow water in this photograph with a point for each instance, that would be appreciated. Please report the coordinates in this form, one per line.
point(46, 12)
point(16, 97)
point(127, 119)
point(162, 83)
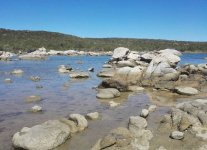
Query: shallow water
point(59, 100)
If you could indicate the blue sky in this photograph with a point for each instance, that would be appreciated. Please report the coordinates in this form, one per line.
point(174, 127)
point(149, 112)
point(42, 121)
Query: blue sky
point(154, 19)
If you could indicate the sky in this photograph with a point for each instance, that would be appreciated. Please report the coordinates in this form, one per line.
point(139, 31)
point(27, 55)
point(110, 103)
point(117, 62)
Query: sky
point(152, 19)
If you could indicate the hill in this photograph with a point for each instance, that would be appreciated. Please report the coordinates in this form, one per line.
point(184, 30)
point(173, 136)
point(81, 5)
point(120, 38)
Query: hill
point(15, 40)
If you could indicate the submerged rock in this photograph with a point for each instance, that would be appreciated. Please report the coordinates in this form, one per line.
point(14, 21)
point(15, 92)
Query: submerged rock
point(36, 108)
point(79, 75)
point(33, 98)
point(42, 137)
point(35, 78)
point(113, 104)
point(17, 72)
point(8, 80)
point(107, 93)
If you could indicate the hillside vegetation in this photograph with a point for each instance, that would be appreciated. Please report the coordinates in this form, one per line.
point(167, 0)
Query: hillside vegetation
point(15, 40)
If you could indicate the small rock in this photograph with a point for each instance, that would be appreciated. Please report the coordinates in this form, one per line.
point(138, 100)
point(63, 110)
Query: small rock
point(33, 98)
point(93, 115)
point(17, 72)
point(81, 121)
point(36, 108)
point(91, 69)
point(108, 93)
point(177, 135)
point(152, 108)
point(35, 78)
point(137, 122)
point(113, 104)
point(135, 88)
point(107, 66)
point(39, 86)
point(79, 75)
point(8, 80)
point(72, 125)
point(144, 113)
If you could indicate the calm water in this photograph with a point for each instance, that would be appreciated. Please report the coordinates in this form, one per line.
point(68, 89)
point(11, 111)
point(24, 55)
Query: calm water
point(59, 101)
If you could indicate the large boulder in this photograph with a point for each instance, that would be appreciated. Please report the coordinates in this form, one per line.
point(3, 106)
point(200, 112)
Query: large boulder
point(42, 137)
point(120, 52)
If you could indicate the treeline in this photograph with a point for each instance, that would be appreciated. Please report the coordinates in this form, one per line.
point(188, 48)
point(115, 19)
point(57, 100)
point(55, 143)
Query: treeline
point(14, 40)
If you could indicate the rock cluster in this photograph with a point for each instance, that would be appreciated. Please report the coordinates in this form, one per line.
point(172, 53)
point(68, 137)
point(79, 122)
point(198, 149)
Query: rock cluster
point(135, 137)
point(156, 69)
point(6, 55)
point(50, 134)
point(188, 116)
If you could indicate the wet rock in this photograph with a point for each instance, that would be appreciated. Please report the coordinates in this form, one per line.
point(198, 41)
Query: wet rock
point(72, 125)
point(106, 73)
point(39, 86)
point(144, 113)
point(79, 75)
point(93, 115)
point(107, 93)
point(65, 68)
point(111, 83)
point(137, 123)
point(177, 135)
point(107, 141)
point(44, 136)
point(35, 78)
point(186, 90)
point(81, 121)
point(33, 98)
point(36, 108)
point(120, 52)
point(113, 104)
point(152, 108)
point(17, 72)
point(135, 88)
point(91, 69)
point(8, 80)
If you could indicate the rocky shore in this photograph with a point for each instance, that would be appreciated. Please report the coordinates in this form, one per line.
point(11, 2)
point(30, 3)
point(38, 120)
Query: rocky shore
point(127, 71)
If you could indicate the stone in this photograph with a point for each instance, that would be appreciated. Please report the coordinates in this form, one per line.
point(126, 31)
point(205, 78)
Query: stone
point(44, 136)
point(39, 86)
point(108, 93)
point(152, 108)
point(120, 52)
point(126, 63)
point(107, 66)
point(111, 83)
point(106, 73)
point(72, 125)
point(137, 123)
point(81, 121)
point(65, 68)
point(135, 88)
point(33, 98)
point(144, 113)
point(79, 75)
point(8, 80)
point(35, 78)
point(107, 141)
point(186, 90)
point(17, 72)
point(147, 57)
point(113, 104)
point(91, 69)
point(133, 55)
point(202, 116)
point(36, 108)
point(177, 135)
point(93, 115)
point(6, 55)
point(161, 148)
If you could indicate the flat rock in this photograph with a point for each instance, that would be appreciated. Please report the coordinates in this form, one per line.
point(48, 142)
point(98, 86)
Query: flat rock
point(186, 90)
point(33, 98)
point(108, 93)
point(177, 135)
point(81, 121)
point(79, 75)
point(93, 115)
point(42, 137)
